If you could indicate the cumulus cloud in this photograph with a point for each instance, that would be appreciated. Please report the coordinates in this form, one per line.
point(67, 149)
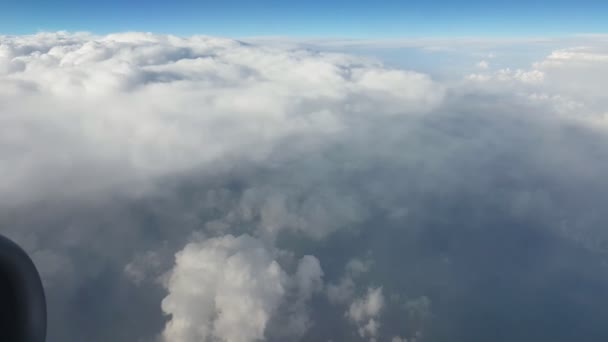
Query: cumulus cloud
point(224, 288)
point(569, 76)
point(365, 312)
point(506, 75)
point(137, 106)
point(200, 188)
point(228, 288)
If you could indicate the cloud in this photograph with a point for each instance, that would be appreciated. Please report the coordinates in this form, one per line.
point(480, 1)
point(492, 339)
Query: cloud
point(483, 64)
point(135, 107)
point(211, 189)
point(228, 288)
point(293, 320)
point(365, 311)
point(344, 290)
point(567, 75)
point(223, 288)
point(506, 75)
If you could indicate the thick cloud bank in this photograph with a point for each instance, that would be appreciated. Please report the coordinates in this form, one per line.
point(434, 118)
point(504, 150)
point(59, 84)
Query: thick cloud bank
point(130, 107)
point(204, 189)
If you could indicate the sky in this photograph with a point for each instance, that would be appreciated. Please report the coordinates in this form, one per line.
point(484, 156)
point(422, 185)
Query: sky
point(232, 172)
point(358, 18)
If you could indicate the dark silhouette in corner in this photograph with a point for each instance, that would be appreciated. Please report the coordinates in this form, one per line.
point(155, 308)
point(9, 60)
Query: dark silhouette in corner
point(22, 301)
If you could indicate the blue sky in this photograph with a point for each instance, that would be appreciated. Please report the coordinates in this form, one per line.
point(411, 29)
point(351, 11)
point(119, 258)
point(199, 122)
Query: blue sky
point(355, 18)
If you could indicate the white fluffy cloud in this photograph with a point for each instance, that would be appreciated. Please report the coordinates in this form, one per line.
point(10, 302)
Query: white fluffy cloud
point(571, 80)
point(228, 289)
point(129, 108)
point(365, 312)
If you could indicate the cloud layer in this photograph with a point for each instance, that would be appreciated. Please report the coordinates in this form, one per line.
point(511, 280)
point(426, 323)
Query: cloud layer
point(205, 189)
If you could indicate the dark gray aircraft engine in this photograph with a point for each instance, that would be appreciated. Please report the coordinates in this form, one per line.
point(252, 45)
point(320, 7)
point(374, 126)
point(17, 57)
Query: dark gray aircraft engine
point(22, 301)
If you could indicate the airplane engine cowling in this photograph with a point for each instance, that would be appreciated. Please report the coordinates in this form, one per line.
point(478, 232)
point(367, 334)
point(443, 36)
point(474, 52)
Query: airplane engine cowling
point(22, 300)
